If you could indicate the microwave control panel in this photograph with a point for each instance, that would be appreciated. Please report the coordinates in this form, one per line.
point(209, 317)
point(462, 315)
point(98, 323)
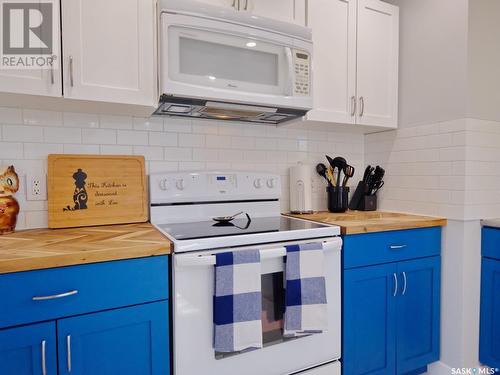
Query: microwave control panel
point(302, 62)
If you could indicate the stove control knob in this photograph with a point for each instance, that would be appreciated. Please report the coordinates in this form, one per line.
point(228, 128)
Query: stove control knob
point(257, 183)
point(164, 184)
point(271, 183)
point(180, 185)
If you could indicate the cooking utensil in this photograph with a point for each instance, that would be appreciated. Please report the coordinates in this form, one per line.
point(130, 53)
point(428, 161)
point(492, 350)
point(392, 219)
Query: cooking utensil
point(348, 173)
point(339, 164)
point(226, 219)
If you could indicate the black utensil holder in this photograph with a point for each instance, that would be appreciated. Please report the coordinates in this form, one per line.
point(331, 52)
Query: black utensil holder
point(338, 198)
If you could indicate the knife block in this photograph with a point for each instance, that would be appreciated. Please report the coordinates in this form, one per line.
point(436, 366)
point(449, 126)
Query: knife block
point(362, 202)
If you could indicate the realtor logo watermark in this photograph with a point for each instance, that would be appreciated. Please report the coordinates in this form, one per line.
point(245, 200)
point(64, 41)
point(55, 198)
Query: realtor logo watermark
point(28, 35)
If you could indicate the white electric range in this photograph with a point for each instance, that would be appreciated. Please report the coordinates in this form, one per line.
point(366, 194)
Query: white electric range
point(182, 207)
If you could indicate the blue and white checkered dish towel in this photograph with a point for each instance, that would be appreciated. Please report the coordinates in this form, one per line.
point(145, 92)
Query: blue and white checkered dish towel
point(237, 301)
point(305, 294)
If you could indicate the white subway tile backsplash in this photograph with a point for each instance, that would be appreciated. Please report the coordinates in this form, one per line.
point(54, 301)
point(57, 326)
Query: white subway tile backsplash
point(191, 140)
point(37, 117)
point(99, 136)
point(62, 135)
point(131, 137)
point(20, 133)
point(168, 144)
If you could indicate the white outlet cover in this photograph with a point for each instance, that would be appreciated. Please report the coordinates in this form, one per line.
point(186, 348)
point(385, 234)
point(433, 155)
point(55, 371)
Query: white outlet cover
point(36, 187)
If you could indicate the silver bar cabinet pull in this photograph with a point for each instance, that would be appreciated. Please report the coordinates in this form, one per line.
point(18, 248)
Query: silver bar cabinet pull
point(234, 4)
point(71, 78)
point(353, 106)
point(246, 5)
point(55, 296)
point(361, 106)
point(395, 285)
point(404, 286)
point(68, 348)
point(44, 362)
point(397, 247)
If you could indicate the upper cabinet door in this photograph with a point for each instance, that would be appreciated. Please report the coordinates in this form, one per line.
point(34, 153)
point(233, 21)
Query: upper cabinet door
point(29, 350)
point(334, 62)
point(221, 3)
point(418, 313)
point(45, 82)
point(377, 63)
point(283, 10)
point(109, 50)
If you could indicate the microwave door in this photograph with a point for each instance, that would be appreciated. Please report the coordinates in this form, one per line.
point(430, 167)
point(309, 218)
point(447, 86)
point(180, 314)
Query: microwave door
point(213, 59)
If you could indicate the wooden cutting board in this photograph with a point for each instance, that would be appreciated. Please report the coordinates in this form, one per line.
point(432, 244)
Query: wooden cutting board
point(85, 190)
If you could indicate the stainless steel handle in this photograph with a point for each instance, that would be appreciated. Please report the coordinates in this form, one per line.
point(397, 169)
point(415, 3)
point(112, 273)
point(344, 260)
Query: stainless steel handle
point(239, 4)
point(395, 285)
point(55, 296)
point(71, 78)
point(353, 105)
point(68, 349)
point(234, 4)
point(361, 106)
point(397, 247)
point(52, 81)
point(44, 361)
point(404, 286)
point(246, 5)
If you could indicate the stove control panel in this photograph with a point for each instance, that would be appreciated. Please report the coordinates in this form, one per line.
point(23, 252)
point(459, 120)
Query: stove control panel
point(213, 186)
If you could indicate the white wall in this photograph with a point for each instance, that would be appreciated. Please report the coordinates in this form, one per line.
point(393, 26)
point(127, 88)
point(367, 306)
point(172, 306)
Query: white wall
point(484, 60)
point(28, 136)
point(433, 48)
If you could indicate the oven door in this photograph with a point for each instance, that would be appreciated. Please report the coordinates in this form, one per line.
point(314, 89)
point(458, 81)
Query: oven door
point(193, 318)
point(217, 60)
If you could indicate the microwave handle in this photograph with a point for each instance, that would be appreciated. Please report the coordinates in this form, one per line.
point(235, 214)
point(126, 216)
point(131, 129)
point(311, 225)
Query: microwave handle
point(333, 244)
point(291, 70)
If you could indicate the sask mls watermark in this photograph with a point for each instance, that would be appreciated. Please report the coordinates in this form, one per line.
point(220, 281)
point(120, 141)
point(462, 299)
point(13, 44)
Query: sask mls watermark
point(29, 37)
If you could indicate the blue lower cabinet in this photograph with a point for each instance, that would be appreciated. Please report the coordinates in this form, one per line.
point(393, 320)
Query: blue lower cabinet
point(369, 339)
point(489, 344)
point(127, 341)
point(28, 350)
point(391, 302)
point(418, 313)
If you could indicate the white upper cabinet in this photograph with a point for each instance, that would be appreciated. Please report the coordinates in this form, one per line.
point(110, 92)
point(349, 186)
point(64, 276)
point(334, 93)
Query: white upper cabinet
point(377, 84)
point(221, 3)
point(283, 10)
point(334, 61)
point(109, 50)
point(45, 82)
point(355, 62)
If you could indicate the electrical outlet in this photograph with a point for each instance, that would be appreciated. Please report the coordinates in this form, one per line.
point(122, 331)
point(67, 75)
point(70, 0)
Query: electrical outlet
point(36, 187)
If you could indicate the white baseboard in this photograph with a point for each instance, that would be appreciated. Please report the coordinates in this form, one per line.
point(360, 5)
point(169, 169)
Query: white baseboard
point(439, 368)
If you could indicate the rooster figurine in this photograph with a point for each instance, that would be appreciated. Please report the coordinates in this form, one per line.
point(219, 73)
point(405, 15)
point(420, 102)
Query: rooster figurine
point(9, 208)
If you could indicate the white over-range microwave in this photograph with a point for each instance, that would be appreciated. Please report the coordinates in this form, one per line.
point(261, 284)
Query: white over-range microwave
point(219, 63)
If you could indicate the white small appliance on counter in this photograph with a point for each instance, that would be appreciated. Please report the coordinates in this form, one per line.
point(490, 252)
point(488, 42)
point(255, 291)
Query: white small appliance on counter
point(301, 189)
point(217, 63)
point(183, 206)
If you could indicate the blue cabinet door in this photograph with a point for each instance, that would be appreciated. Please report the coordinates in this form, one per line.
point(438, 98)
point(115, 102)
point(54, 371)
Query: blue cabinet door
point(418, 313)
point(127, 341)
point(369, 324)
point(28, 350)
point(489, 344)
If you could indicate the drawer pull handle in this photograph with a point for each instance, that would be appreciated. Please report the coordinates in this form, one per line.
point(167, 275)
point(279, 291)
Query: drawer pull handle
point(55, 296)
point(44, 363)
point(395, 285)
point(397, 247)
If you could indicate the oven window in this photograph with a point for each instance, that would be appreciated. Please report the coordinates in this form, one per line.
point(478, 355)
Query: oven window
point(226, 62)
point(273, 310)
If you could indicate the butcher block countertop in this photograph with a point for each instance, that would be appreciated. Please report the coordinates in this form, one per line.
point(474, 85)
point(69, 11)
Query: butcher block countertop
point(358, 222)
point(49, 248)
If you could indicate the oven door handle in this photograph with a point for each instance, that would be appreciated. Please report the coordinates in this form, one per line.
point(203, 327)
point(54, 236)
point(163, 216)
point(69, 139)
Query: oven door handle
point(270, 253)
